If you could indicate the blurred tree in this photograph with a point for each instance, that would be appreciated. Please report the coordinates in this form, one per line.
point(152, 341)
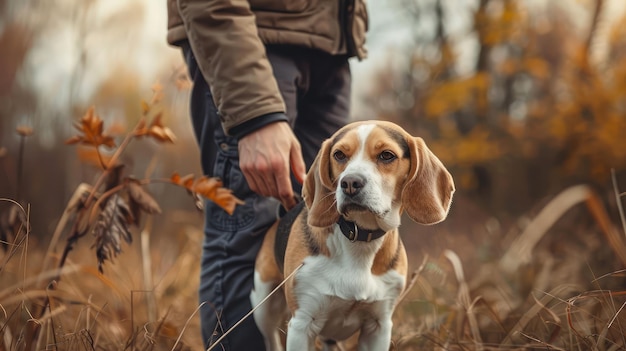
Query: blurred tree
point(58, 58)
point(531, 116)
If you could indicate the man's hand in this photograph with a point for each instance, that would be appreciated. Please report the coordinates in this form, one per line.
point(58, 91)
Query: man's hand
point(265, 157)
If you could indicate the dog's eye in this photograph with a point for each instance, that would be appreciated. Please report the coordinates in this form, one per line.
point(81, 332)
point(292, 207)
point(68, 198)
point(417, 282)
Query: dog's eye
point(386, 156)
point(339, 156)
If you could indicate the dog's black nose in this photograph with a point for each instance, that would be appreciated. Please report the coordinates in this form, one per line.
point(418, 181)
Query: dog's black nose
point(352, 184)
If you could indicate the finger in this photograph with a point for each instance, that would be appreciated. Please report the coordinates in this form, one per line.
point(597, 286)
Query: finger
point(266, 184)
point(252, 182)
point(283, 186)
point(254, 175)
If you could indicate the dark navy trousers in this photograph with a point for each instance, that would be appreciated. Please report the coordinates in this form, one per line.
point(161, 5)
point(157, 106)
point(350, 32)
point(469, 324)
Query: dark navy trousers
point(316, 90)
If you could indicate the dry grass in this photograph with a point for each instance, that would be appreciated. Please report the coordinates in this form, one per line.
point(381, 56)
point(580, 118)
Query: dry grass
point(128, 308)
point(540, 294)
point(543, 291)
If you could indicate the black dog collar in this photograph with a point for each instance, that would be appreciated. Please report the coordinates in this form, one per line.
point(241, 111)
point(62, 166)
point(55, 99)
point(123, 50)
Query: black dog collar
point(351, 231)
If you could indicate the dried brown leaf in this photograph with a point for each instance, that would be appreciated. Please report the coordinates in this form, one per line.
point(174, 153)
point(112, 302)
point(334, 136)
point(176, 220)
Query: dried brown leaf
point(175, 178)
point(111, 229)
point(73, 140)
point(145, 108)
point(156, 130)
point(159, 132)
point(164, 135)
point(135, 211)
point(24, 131)
point(186, 181)
point(209, 188)
point(90, 129)
point(141, 129)
point(114, 178)
point(139, 195)
point(225, 199)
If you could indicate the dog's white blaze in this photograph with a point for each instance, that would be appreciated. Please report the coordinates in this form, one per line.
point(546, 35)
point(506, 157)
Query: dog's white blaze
point(364, 132)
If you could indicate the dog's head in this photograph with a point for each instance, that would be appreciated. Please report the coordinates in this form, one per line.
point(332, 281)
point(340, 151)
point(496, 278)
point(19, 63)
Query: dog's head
point(369, 172)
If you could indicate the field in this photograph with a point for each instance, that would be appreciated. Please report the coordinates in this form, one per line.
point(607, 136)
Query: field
point(551, 280)
point(523, 101)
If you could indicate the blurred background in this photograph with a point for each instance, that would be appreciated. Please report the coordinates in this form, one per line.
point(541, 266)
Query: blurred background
point(520, 99)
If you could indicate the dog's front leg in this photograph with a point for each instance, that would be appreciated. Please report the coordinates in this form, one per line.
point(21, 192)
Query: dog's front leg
point(376, 335)
point(300, 336)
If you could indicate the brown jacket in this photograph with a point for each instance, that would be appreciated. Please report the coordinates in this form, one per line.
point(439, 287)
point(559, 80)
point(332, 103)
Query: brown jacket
point(228, 37)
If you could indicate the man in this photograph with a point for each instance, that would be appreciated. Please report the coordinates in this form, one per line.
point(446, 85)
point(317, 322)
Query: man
point(271, 82)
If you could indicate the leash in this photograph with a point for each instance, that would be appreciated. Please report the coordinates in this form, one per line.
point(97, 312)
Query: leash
point(217, 342)
point(286, 221)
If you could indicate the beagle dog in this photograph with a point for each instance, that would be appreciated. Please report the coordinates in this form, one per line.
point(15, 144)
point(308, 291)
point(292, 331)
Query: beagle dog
point(345, 242)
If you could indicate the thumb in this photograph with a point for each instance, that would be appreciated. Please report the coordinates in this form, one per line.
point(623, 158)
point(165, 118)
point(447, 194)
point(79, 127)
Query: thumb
point(297, 162)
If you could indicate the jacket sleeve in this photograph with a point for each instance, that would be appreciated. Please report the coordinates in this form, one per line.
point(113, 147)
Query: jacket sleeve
point(223, 36)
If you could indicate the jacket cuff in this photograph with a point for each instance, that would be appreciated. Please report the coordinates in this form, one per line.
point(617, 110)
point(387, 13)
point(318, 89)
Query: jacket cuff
point(257, 123)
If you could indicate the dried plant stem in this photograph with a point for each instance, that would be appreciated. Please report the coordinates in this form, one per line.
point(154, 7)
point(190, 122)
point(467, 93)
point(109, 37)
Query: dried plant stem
point(412, 280)
point(115, 189)
point(32, 332)
point(76, 233)
point(16, 244)
point(597, 10)
point(20, 167)
point(464, 299)
point(74, 201)
point(101, 160)
point(112, 161)
point(618, 201)
point(186, 324)
point(148, 283)
point(217, 342)
point(520, 251)
point(533, 311)
point(598, 212)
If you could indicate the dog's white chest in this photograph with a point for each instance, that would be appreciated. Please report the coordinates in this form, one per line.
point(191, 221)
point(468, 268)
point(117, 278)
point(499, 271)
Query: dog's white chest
point(342, 297)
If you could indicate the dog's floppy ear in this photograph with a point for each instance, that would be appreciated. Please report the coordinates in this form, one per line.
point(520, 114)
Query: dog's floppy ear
point(318, 191)
point(428, 190)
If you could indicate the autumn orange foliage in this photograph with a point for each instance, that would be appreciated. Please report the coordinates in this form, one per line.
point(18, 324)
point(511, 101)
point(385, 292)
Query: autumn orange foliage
point(124, 198)
point(536, 112)
point(115, 202)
